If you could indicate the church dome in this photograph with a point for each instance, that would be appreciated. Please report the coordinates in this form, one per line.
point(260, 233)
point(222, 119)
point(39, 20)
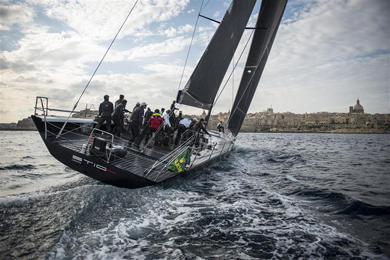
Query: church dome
point(358, 107)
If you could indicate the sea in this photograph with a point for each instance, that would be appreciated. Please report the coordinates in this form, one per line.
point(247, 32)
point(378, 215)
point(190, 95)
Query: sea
point(277, 196)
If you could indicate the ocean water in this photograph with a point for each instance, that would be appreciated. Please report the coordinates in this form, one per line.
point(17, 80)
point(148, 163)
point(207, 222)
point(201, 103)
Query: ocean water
point(277, 196)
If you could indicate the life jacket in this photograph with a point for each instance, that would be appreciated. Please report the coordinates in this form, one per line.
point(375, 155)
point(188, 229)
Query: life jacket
point(155, 121)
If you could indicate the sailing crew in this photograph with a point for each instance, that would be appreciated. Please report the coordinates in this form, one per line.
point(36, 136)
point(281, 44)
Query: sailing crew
point(178, 119)
point(184, 124)
point(118, 117)
point(137, 105)
point(119, 101)
point(154, 122)
point(105, 110)
point(167, 127)
point(136, 120)
point(220, 127)
point(173, 108)
point(193, 122)
point(198, 127)
point(147, 116)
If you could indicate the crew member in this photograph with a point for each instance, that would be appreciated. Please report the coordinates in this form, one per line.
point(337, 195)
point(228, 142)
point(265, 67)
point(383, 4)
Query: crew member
point(198, 127)
point(220, 127)
point(178, 119)
point(155, 122)
point(118, 117)
point(137, 105)
point(173, 108)
point(147, 116)
point(193, 122)
point(119, 101)
point(136, 120)
point(184, 124)
point(105, 110)
point(167, 127)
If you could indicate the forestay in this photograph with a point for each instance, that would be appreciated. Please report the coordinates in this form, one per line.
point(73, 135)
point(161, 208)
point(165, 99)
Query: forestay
point(203, 85)
point(268, 21)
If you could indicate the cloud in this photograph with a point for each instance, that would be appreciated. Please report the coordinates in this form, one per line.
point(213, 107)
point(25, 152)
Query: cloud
point(171, 32)
point(14, 14)
point(325, 55)
point(164, 48)
point(100, 20)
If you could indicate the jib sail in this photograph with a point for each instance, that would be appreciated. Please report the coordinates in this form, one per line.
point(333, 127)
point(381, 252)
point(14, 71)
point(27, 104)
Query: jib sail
point(268, 21)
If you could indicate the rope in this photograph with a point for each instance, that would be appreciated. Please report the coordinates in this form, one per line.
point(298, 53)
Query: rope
point(189, 49)
point(75, 105)
point(205, 6)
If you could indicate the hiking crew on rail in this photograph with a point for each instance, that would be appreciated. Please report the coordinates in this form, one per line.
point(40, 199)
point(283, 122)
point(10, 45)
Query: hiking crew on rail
point(143, 123)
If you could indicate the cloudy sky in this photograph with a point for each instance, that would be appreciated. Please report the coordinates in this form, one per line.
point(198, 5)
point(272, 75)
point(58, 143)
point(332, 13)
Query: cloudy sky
point(327, 54)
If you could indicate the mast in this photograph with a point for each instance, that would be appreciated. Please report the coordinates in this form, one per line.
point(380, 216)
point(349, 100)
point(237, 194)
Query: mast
point(203, 85)
point(270, 15)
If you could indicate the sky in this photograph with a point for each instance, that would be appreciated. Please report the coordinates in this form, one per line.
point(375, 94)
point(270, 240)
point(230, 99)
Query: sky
point(327, 53)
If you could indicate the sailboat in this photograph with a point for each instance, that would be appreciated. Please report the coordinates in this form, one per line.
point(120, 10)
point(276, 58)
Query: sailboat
point(77, 143)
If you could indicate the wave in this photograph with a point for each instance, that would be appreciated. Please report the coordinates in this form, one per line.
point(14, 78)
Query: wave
point(365, 209)
point(338, 203)
point(18, 167)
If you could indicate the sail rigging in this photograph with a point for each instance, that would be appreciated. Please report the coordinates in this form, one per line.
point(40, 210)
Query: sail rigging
point(203, 85)
point(268, 21)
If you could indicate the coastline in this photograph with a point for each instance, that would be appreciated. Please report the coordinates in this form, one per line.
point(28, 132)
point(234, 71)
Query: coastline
point(261, 132)
point(18, 129)
point(308, 132)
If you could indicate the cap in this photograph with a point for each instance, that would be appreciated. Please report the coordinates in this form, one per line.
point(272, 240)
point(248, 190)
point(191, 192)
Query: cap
point(195, 119)
point(137, 104)
point(143, 104)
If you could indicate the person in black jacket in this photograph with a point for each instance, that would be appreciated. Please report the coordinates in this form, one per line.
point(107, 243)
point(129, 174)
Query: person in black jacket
point(118, 117)
point(178, 119)
point(121, 97)
point(136, 106)
point(147, 116)
point(136, 120)
point(105, 110)
point(198, 127)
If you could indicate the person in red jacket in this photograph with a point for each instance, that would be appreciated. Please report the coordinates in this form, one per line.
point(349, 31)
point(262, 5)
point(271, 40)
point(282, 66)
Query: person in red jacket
point(155, 122)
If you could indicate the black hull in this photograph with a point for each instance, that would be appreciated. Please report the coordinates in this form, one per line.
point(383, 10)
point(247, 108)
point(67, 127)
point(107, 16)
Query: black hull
point(96, 168)
point(91, 166)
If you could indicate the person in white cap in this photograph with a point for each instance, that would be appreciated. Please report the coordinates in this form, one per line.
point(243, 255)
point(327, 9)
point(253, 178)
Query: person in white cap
point(193, 122)
point(136, 120)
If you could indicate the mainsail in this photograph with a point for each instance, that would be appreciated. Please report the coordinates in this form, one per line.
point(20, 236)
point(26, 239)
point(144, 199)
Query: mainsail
point(203, 85)
point(268, 21)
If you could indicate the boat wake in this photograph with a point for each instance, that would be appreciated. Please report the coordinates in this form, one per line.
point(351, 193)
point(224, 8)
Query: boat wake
point(259, 203)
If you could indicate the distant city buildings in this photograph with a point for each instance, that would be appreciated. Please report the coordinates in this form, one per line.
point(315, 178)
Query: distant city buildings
point(355, 121)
